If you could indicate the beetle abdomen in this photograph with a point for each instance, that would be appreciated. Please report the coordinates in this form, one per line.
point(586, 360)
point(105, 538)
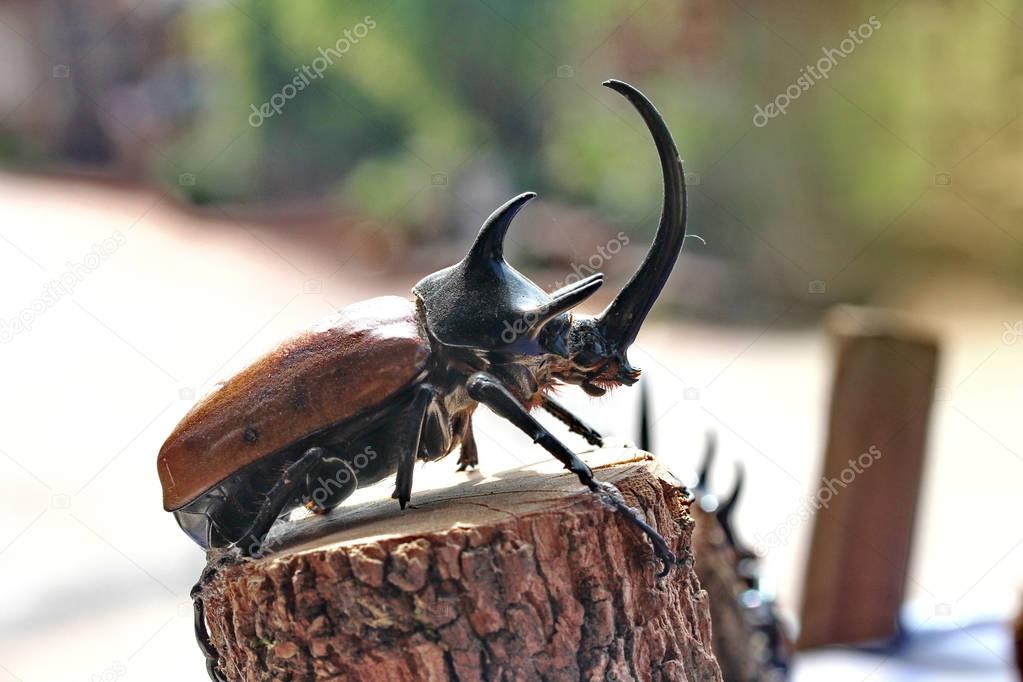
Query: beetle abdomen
point(351, 363)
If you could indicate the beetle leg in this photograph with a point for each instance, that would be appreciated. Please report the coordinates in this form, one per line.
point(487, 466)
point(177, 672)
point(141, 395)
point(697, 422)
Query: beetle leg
point(280, 494)
point(487, 389)
point(410, 440)
point(645, 441)
point(282, 491)
point(468, 454)
point(574, 423)
point(202, 637)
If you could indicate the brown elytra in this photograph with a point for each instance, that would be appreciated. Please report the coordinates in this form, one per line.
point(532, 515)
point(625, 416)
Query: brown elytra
point(349, 364)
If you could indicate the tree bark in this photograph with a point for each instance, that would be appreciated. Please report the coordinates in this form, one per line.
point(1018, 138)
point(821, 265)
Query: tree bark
point(523, 576)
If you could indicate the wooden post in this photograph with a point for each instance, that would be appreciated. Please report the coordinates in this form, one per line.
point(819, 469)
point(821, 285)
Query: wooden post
point(866, 503)
point(522, 576)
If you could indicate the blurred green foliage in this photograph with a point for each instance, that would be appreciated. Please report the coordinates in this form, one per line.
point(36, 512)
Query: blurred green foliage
point(902, 162)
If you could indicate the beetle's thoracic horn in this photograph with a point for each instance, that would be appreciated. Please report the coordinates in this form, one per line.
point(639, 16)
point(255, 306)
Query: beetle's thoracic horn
point(563, 300)
point(724, 512)
point(624, 316)
point(489, 244)
point(727, 508)
point(709, 451)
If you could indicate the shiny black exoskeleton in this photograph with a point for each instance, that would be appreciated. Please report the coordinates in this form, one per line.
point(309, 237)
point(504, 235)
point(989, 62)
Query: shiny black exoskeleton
point(477, 332)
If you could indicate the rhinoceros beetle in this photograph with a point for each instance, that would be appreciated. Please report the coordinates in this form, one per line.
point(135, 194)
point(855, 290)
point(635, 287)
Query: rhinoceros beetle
point(389, 381)
point(771, 643)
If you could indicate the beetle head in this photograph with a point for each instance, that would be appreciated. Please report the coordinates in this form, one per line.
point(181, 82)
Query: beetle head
point(485, 304)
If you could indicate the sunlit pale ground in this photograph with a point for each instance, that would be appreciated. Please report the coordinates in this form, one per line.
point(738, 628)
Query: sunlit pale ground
point(96, 576)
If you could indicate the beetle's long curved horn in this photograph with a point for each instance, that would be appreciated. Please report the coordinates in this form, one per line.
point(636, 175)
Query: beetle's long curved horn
point(489, 244)
point(563, 300)
point(624, 316)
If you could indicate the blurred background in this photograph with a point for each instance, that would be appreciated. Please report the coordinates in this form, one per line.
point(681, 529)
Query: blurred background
point(186, 183)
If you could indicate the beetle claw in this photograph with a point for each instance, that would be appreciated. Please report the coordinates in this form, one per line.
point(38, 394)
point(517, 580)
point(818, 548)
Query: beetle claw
point(610, 495)
point(213, 670)
point(213, 659)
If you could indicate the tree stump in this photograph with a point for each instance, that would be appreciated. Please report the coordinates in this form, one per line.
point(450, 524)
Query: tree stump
point(520, 576)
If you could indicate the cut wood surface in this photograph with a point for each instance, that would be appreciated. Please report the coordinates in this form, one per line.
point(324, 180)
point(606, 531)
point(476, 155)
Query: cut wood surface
point(520, 576)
